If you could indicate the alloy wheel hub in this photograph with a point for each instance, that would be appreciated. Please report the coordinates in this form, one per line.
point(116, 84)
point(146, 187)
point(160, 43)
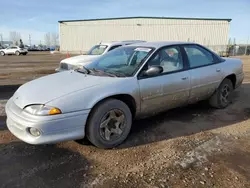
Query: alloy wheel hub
point(112, 124)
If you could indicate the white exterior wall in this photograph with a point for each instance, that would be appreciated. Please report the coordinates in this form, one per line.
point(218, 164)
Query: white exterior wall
point(80, 36)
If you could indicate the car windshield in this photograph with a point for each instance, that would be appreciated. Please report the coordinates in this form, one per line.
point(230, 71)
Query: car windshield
point(123, 61)
point(97, 50)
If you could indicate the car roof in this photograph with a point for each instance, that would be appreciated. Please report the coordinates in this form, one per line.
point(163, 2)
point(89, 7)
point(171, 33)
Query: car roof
point(122, 42)
point(160, 44)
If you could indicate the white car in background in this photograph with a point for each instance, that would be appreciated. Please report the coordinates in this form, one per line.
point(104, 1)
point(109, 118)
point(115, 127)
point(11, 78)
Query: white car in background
point(95, 52)
point(13, 50)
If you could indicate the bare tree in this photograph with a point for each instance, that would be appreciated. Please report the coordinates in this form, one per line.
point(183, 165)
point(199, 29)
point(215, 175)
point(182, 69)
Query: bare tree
point(15, 37)
point(54, 39)
point(47, 39)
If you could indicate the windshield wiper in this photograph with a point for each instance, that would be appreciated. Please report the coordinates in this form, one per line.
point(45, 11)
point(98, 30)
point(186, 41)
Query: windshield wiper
point(103, 72)
point(117, 74)
point(83, 70)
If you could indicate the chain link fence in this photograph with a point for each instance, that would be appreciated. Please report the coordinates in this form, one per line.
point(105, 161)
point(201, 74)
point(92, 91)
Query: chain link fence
point(230, 50)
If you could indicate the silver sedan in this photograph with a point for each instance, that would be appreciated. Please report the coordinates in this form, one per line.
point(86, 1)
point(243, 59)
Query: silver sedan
point(98, 102)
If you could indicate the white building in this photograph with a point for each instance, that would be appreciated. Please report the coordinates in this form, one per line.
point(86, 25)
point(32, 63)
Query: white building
point(78, 36)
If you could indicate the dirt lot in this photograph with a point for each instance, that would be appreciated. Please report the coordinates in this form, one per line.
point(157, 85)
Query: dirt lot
point(194, 146)
point(20, 69)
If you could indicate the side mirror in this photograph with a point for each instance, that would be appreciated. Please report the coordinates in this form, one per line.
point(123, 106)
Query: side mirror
point(153, 70)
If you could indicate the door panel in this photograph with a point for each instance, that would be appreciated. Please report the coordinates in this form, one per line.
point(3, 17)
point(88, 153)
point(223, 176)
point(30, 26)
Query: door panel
point(8, 51)
point(12, 50)
point(205, 73)
point(164, 92)
point(204, 82)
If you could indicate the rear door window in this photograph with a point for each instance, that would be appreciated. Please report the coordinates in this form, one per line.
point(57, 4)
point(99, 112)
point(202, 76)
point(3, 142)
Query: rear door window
point(198, 56)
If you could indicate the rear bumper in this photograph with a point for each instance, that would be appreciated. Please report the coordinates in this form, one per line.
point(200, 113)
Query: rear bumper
point(23, 51)
point(239, 80)
point(57, 128)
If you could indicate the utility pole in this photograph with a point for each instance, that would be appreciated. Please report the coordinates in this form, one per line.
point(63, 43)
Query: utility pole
point(30, 39)
point(246, 46)
point(234, 48)
point(1, 38)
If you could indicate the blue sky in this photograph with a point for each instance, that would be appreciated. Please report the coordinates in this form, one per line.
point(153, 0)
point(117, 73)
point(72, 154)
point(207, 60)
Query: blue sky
point(38, 17)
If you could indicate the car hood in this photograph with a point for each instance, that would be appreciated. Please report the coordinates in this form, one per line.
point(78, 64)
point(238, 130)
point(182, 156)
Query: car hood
point(48, 88)
point(80, 59)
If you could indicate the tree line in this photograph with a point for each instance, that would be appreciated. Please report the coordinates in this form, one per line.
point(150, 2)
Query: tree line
point(50, 39)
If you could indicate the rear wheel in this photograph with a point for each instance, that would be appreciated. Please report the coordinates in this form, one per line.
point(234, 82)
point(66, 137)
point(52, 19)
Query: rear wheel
point(222, 97)
point(24, 53)
point(17, 53)
point(2, 53)
point(109, 124)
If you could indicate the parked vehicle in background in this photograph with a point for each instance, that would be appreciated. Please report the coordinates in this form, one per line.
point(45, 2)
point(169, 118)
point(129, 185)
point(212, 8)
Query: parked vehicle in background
point(13, 50)
point(38, 48)
point(100, 100)
point(95, 52)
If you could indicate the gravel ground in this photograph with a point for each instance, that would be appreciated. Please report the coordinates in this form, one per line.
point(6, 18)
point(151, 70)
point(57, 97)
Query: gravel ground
point(194, 146)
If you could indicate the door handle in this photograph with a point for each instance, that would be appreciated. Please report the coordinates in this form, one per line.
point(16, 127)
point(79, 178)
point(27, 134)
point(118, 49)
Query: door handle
point(217, 70)
point(184, 78)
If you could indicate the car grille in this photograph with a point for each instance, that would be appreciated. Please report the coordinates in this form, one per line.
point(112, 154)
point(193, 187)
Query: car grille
point(64, 66)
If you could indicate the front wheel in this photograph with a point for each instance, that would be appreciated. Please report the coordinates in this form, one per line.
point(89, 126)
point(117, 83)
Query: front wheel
point(109, 123)
point(2, 53)
point(222, 96)
point(17, 53)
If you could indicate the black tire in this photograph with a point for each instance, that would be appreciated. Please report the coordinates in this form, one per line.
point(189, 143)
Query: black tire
point(24, 53)
point(94, 132)
point(217, 100)
point(2, 53)
point(17, 53)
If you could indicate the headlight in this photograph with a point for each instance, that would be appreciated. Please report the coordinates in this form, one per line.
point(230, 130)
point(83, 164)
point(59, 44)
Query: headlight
point(64, 66)
point(42, 110)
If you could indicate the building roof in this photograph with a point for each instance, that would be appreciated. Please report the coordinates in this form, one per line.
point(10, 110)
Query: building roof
point(145, 17)
point(159, 44)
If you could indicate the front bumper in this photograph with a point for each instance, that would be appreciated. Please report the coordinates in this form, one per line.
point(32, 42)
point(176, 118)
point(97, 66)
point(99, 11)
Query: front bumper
point(56, 128)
